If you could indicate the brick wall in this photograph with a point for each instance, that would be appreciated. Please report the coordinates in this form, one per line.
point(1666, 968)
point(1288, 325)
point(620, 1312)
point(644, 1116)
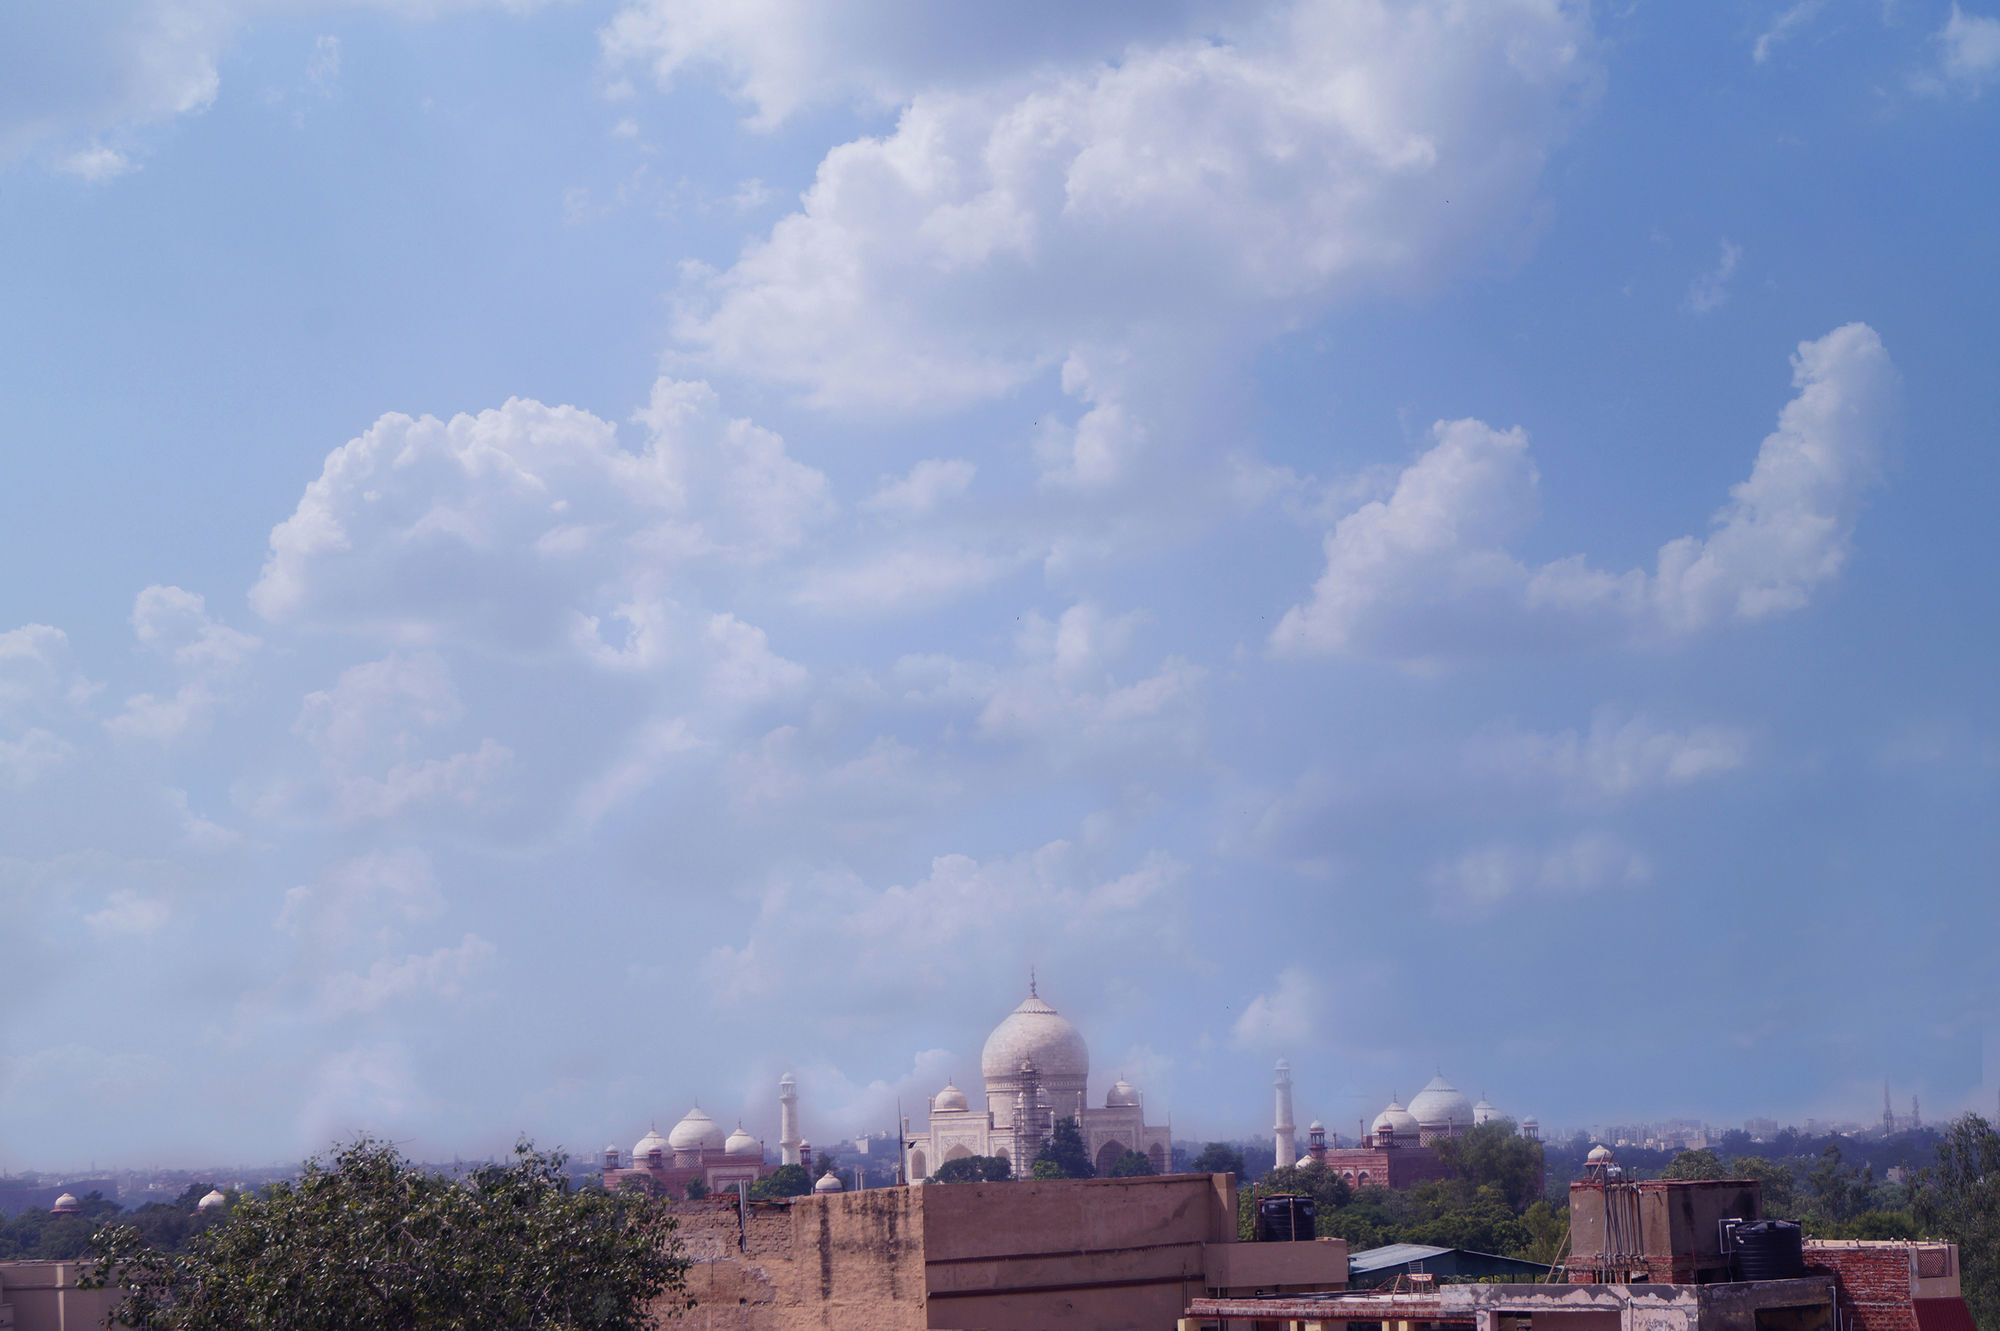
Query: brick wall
point(1871, 1282)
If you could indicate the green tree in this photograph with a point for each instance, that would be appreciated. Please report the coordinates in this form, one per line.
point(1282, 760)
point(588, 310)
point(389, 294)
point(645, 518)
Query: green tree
point(1835, 1191)
point(366, 1241)
point(697, 1188)
point(1548, 1233)
point(1958, 1198)
point(784, 1181)
point(1132, 1164)
point(1495, 1154)
point(1064, 1155)
point(1696, 1164)
point(1779, 1201)
point(1219, 1158)
point(973, 1169)
point(1328, 1189)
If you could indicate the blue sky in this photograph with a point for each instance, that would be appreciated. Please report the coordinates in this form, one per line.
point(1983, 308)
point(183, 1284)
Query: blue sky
point(567, 559)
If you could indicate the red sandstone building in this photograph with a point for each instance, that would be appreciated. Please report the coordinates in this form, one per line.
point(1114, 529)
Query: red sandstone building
point(1397, 1152)
point(695, 1149)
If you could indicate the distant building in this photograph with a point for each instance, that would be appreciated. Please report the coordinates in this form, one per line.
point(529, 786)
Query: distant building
point(1036, 1068)
point(1398, 1150)
point(695, 1149)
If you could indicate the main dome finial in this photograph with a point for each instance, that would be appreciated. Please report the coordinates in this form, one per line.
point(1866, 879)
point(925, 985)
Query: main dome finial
point(1031, 983)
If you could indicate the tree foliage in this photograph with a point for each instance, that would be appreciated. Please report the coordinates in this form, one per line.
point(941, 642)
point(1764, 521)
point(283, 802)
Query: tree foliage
point(1494, 1155)
point(1132, 1164)
point(1327, 1188)
point(1779, 1201)
point(1958, 1198)
point(973, 1169)
point(1064, 1155)
point(1696, 1164)
point(1219, 1158)
point(366, 1241)
point(784, 1181)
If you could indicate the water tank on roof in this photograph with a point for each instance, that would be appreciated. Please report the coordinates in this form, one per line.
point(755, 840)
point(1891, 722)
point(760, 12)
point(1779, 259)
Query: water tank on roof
point(1286, 1218)
point(1770, 1250)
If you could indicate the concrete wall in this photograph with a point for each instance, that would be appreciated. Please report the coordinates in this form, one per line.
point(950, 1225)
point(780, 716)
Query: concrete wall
point(1098, 1253)
point(42, 1296)
point(1678, 1227)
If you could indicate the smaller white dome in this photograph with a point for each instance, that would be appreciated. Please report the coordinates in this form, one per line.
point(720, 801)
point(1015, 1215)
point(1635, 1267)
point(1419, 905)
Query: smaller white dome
point(66, 1202)
point(646, 1145)
point(949, 1100)
point(1396, 1119)
point(1600, 1155)
point(742, 1143)
point(1122, 1095)
point(697, 1132)
point(828, 1183)
point(212, 1201)
point(1317, 1126)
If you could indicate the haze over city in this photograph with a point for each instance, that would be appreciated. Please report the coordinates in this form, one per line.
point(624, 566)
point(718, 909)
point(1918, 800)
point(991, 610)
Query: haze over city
point(567, 560)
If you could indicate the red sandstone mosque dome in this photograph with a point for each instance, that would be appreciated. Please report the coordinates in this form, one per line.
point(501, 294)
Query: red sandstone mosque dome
point(647, 1144)
point(742, 1143)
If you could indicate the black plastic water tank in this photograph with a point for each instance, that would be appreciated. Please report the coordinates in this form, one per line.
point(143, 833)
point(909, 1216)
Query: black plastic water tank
point(1287, 1218)
point(1770, 1250)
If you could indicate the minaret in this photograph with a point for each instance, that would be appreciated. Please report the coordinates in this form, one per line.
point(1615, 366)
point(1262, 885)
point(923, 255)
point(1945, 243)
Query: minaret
point(788, 1120)
point(1286, 1131)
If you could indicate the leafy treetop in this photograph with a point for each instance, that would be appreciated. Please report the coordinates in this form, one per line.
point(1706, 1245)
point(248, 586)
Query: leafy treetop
point(366, 1241)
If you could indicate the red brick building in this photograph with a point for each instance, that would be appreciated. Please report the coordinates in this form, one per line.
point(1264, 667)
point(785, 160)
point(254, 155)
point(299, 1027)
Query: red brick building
point(1892, 1286)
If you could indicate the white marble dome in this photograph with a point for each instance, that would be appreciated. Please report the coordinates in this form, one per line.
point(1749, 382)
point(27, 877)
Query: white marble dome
point(1397, 1119)
point(742, 1143)
point(213, 1200)
point(1440, 1103)
point(828, 1183)
point(1600, 1155)
point(646, 1145)
point(65, 1203)
point(1317, 1126)
point(697, 1132)
point(948, 1100)
point(1036, 1031)
point(1122, 1095)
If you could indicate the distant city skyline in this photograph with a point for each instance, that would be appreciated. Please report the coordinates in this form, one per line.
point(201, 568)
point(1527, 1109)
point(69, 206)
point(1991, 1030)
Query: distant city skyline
point(565, 560)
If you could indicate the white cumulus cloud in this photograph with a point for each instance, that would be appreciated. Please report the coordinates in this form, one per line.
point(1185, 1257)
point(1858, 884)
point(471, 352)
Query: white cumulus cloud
point(1196, 187)
point(1427, 575)
point(512, 527)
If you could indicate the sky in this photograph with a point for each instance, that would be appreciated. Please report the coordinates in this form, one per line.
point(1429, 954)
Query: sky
point(564, 560)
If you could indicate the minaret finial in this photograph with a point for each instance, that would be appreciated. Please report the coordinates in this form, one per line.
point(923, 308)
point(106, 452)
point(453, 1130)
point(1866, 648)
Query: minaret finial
point(1031, 982)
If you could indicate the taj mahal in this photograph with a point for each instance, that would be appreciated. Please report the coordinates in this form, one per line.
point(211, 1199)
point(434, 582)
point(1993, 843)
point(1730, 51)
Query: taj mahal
point(1036, 1068)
